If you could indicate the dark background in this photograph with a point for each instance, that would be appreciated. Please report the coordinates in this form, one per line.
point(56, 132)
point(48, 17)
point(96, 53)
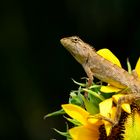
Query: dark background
point(36, 71)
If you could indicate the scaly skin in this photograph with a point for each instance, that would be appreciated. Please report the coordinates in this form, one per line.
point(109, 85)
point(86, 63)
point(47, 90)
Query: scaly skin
point(97, 66)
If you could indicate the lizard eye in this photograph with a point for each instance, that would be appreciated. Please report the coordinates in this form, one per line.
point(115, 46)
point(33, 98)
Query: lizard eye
point(75, 39)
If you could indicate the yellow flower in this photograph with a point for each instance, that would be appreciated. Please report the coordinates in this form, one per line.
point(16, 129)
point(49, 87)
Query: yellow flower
point(94, 122)
point(106, 107)
point(89, 128)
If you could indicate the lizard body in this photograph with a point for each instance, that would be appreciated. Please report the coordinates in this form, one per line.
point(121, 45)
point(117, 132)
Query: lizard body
point(99, 67)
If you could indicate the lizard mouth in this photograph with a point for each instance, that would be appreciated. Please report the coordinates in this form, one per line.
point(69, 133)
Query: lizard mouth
point(63, 41)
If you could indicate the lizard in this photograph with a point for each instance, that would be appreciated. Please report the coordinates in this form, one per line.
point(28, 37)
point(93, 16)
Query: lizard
point(97, 66)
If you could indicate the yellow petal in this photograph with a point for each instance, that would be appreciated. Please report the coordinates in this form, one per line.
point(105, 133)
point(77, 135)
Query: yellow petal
point(113, 112)
point(132, 126)
point(107, 54)
point(108, 126)
point(125, 106)
point(137, 68)
point(105, 107)
point(83, 133)
point(94, 120)
point(105, 110)
point(76, 112)
point(109, 89)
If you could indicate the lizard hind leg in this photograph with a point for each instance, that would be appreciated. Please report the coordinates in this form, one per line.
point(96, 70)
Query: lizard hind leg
point(124, 99)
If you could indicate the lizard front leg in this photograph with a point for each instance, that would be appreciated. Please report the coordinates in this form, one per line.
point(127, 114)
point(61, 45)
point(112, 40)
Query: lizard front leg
point(90, 76)
point(124, 99)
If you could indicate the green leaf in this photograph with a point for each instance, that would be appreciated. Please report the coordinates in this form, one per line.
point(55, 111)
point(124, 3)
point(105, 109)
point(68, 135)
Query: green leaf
point(90, 107)
point(129, 66)
point(59, 112)
point(66, 134)
point(75, 99)
point(80, 84)
point(94, 94)
point(75, 122)
point(94, 86)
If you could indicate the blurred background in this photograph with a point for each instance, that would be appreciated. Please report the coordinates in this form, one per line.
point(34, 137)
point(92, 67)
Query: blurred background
point(36, 71)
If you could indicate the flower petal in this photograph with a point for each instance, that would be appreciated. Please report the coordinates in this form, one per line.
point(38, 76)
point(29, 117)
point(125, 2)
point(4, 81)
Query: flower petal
point(126, 107)
point(83, 133)
point(109, 89)
point(76, 112)
point(132, 124)
point(137, 68)
point(108, 126)
point(107, 54)
point(105, 107)
point(94, 120)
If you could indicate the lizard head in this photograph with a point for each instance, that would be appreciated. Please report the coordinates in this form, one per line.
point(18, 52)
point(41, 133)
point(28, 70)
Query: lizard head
point(78, 48)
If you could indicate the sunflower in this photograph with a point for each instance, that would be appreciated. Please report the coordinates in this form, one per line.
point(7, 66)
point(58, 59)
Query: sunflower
point(91, 117)
point(106, 107)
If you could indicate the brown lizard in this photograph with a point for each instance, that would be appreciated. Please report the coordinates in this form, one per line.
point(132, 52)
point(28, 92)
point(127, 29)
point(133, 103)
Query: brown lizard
point(99, 67)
